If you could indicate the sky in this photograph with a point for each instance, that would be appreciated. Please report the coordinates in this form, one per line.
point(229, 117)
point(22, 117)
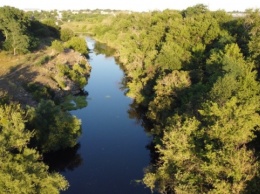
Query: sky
point(134, 5)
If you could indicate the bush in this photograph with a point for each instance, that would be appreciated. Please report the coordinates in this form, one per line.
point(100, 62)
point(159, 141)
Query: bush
point(66, 34)
point(43, 60)
point(78, 44)
point(39, 92)
point(57, 45)
point(55, 128)
point(60, 80)
point(76, 74)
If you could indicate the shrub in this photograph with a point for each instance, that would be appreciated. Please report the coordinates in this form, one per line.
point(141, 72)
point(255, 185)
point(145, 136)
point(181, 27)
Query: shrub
point(78, 44)
point(66, 34)
point(43, 60)
point(57, 45)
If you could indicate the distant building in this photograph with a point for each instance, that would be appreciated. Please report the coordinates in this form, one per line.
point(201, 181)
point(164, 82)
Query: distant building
point(59, 16)
point(238, 14)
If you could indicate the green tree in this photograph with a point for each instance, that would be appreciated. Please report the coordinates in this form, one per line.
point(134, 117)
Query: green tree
point(54, 128)
point(14, 25)
point(199, 90)
point(166, 94)
point(209, 154)
point(78, 44)
point(252, 22)
point(57, 45)
point(77, 74)
point(18, 41)
point(177, 172)
point(22, 170)
point(195, 10)
point(66, 34)
point(52, 27)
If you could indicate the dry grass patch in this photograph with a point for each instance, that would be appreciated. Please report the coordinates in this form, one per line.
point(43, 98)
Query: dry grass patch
point(76, 27)
point(7, 62)
point(18, 72)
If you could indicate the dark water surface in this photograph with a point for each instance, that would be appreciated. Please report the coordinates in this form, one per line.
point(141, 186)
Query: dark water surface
point(112, 152)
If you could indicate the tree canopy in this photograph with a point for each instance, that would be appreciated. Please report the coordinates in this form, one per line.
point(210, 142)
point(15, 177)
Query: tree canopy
point(22, 170)
point(28, 132)
point(196, 73)
point(14, 24)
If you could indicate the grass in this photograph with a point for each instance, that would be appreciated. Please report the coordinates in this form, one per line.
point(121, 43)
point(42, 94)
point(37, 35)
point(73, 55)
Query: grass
point(25, 68)
point(39, 67)
point(8, 61)
point(76, 27)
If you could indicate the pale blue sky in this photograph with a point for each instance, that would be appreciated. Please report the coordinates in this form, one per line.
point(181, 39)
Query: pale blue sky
point(136, 5)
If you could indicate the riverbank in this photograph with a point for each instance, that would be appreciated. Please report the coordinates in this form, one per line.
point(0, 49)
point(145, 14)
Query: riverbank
point(21, 76)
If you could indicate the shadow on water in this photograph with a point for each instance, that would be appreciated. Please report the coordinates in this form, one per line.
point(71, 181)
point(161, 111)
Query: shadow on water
point(138, 113)
point(64, 160)
point(101, 48)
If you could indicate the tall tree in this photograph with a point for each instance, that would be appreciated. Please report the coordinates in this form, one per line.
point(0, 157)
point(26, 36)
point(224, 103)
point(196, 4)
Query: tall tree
point(252, 21)
point(209, 154)
point(14, 23)
point(66, 34)
point(54, 128)
point(22, 170)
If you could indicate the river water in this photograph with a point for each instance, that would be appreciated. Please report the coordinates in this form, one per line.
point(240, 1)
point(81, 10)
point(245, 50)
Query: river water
point(112, 153)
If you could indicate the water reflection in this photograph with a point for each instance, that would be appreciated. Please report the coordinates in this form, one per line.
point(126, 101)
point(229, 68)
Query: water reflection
point(63, 160)
point(101, 48)
point(136, 111)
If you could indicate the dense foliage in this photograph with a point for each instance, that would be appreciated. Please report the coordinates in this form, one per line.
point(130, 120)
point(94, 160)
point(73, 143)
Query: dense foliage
point(28, 132)
point(75, 73)
point(78, 44)
point(22, 170)
point(21, 33)
point(54, 128)
point(196, 74)
point(14, 24)
point(66, 34)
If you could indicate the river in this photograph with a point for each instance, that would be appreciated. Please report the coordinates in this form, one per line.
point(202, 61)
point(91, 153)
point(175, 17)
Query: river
point(112, 152)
